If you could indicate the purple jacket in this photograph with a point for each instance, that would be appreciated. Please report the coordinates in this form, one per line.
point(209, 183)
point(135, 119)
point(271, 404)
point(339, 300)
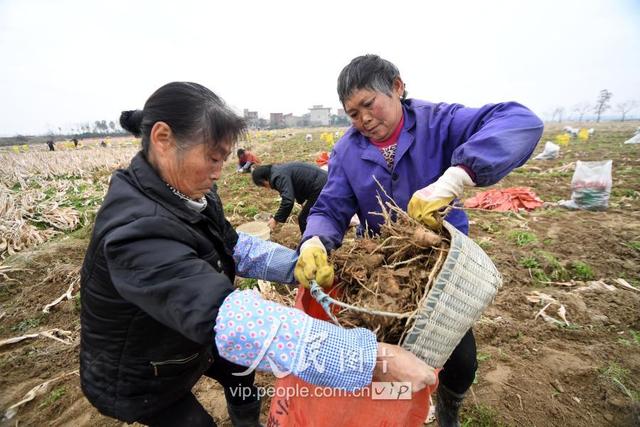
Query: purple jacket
point(490, 141)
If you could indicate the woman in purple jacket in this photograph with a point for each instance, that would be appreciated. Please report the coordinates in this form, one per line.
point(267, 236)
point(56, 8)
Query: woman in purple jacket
point(423, 155)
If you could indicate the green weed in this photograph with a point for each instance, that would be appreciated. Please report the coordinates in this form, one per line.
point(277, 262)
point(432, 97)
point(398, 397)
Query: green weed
point(553, 267)
point(523, 238)
point(633, 245)
point(27, 324)
point(582, 270)
point(481, 416)
point(618, 376)
point(529, 262)
point(251, 211)
point(483, 356)
point(248, 284)
point(489, 227)
point(485, 244)
point(539, 275)
point(54, 396)
point(625, 192)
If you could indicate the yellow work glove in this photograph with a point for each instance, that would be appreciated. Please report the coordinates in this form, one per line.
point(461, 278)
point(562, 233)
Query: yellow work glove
point(427, 201)
point(313, 264)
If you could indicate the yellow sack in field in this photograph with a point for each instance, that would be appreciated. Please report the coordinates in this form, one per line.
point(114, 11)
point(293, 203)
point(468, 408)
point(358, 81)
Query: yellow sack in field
point(563, 139)
point(327, 138)
point(583, 134)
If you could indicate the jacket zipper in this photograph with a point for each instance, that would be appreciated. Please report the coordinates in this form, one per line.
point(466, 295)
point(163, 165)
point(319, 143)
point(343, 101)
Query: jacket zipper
point(172, 362)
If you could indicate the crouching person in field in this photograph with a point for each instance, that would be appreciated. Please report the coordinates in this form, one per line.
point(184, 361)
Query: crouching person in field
point(296, 182)
point(246, 160)
point(158, 305)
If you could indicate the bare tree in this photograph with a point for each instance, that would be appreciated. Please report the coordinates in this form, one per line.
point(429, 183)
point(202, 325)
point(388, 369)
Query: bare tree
point(557, 113)
point(581, 109)
point(625, 107)
point(602, 104)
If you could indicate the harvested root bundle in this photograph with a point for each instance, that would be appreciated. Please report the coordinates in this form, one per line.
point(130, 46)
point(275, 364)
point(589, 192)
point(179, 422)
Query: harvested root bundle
point(389, 273)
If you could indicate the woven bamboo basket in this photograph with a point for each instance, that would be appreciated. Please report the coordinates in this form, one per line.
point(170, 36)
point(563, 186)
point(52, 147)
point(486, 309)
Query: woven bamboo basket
point(463, 288)
point(461, 291)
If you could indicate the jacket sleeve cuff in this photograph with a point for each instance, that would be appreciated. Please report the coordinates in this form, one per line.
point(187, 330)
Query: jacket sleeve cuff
point(468, 170)
point(261, 259)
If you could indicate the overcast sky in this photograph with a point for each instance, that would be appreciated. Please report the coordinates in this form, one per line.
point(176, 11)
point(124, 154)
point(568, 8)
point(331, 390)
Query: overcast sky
point(67, 62)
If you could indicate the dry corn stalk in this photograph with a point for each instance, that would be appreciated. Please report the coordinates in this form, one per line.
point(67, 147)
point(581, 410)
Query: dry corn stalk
point(56, 334)
point(38, 390)
point(40, 190)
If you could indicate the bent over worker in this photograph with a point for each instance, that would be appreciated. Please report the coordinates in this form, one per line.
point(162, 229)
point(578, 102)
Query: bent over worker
point(423, 155)
point(296, 182)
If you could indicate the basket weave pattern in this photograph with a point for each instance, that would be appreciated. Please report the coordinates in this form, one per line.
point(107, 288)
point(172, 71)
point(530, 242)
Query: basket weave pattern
point(462, 290)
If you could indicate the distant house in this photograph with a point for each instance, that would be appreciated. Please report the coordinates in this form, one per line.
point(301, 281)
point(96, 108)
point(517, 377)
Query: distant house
point(319, 115)
point(340, 119)
point(292, 121)
point(252, 119)
point(276, 120)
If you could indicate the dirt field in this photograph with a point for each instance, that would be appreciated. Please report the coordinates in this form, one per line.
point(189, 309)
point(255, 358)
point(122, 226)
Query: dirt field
point(533, 372)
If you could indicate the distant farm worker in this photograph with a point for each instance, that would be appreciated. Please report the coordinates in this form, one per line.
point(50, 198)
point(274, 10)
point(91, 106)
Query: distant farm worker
point(423, 154)
point(51, 145)
point(159, 309)
point(296, 182)
point(246, 160)
point(75, 142)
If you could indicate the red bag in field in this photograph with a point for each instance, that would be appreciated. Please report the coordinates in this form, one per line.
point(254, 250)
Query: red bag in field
point(322, 159)
point(289, 408)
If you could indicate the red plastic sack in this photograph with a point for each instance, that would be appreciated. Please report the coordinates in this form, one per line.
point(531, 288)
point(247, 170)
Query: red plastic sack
point(505, 199)
point(322, 159)
point(290, 409)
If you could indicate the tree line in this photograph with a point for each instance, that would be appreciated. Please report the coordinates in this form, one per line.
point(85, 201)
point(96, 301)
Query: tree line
point(602, 104)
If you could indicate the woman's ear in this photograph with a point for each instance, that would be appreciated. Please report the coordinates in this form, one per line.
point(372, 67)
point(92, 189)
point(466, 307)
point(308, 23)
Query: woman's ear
point(162, 137)
point(398, 86)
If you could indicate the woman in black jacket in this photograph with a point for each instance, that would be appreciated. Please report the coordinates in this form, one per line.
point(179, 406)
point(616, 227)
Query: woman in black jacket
point(296, 182)
point(160, 244)
point(158, 278)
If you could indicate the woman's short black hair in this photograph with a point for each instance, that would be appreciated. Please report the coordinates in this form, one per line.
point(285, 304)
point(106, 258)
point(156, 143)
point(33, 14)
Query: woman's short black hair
point(261, 174)
point(367, 72)
point(194, 113)
point(240, 152)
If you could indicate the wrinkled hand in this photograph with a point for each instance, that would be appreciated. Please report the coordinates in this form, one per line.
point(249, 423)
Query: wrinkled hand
point(396, 364)
point(313, 264)
point(426, 202)
point(272, 223)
